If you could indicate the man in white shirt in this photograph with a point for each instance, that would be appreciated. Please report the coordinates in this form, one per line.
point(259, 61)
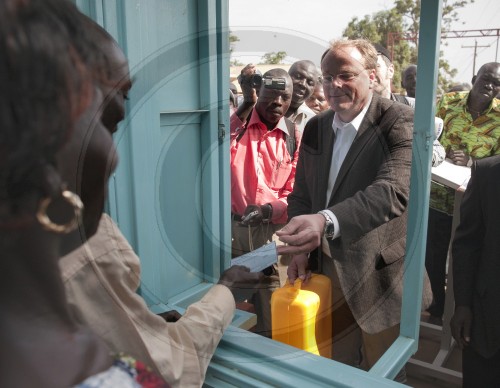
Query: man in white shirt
point(304, 76)
point(351, 193)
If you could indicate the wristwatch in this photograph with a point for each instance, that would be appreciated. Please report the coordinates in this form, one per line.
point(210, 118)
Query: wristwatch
point(329, 230)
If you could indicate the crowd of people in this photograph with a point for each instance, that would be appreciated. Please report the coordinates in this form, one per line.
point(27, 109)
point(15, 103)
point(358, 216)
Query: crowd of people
point(345, 196)
point(320, 163)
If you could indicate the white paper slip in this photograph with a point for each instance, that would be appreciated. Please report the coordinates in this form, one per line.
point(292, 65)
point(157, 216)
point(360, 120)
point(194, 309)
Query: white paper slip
point(259, 259)
point(451, 175)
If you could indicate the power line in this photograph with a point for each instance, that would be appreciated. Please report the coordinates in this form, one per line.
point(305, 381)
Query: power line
point(393, 37)
point(475, 55)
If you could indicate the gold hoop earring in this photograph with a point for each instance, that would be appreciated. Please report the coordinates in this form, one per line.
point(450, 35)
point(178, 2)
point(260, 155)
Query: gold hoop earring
point(75, 202)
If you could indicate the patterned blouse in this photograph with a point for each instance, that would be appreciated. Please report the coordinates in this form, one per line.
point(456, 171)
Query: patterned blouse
point(479, 138)
point(126, 372)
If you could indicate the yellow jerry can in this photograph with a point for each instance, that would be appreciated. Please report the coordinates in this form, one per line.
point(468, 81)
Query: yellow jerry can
point(301, 315)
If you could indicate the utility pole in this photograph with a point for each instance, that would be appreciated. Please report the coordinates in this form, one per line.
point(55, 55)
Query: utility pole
point(496, 51)
point(475, 55)
point(394, 37)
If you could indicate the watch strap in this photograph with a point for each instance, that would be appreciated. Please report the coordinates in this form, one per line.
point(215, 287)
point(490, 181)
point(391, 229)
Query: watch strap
point(329, 230)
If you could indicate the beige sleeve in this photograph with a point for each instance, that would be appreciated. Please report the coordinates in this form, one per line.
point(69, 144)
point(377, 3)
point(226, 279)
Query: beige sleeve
point(101, 280)
point(196, 335)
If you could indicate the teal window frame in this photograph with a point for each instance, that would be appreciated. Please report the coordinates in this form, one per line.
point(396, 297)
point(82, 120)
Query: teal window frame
point(245, 359)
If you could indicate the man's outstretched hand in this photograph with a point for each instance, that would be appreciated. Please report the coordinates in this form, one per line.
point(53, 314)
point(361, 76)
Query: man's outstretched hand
point(302, 234)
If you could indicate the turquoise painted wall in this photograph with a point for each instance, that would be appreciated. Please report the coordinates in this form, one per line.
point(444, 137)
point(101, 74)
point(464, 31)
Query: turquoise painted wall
point(166, 193)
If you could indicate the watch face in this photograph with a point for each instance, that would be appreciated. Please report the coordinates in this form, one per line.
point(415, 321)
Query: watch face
point(330, 230)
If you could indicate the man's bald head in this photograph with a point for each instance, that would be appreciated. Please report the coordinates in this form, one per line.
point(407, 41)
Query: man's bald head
point(304, 78)
point(486, 85)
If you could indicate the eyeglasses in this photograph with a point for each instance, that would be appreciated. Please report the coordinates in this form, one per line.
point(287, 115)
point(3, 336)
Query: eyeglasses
point(342, 77)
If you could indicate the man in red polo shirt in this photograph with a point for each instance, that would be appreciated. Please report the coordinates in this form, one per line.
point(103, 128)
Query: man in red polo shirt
point(264, 153)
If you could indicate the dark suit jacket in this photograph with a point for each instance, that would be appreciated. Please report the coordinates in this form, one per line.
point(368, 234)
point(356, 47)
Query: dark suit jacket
point(476, 255)
point(370, 199)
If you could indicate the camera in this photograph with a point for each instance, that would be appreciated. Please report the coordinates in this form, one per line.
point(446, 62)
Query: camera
point(274, 83)
point(257, 81)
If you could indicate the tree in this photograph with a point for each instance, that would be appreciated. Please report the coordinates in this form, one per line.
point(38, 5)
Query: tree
point(397, 29)
point(232, 40)
point(376, 29)
point(274, 58)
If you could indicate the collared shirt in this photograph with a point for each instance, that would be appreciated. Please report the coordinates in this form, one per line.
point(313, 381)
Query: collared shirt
point(262, 170)
point(344, 136)
point(478, 138)
point(302, 116)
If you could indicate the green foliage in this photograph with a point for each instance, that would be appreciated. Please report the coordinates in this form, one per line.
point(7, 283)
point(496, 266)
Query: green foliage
point(445, 76)
point(377, 29)
point(233, 39)
point(235, 62)
point(397, 29)
point(450, 14)
point(273, 58)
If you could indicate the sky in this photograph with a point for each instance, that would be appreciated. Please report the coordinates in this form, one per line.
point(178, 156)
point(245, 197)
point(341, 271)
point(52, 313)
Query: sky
point(303, 28)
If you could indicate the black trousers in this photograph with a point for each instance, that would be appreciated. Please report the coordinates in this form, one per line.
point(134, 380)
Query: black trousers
point(438, 241)
point(479, 371)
